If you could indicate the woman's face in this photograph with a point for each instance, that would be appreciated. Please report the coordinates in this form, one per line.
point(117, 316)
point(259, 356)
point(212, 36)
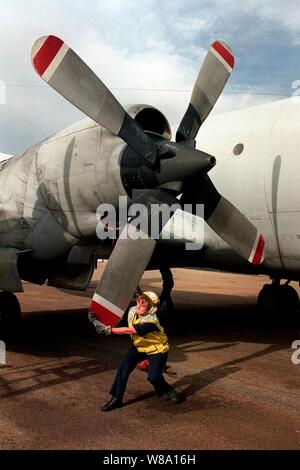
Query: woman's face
point(142, 306)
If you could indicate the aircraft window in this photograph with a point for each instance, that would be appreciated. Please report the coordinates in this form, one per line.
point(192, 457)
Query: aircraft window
point(237, 149)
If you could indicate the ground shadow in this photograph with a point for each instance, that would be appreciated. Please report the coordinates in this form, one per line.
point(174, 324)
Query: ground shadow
point(63, 346)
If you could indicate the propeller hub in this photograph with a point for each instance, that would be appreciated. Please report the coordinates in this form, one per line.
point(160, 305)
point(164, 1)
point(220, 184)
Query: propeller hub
point(176, 163)
point(185, 163)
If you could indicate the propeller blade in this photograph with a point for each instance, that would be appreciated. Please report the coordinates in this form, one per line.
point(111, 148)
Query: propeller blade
point(226, 220)
point(128, 261)
point(60, 67)
point(236, 230)
point(122, 273)
point(213, 76)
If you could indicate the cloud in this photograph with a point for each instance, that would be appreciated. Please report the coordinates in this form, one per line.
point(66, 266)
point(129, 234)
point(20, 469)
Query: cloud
point(134, 46)
point(285, 15)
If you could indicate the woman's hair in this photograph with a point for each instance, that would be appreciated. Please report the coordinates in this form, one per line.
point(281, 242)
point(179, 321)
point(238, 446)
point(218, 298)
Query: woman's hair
point(145, 298)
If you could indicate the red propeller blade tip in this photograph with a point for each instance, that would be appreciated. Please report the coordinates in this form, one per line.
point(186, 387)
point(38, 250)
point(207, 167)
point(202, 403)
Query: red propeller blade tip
point(46, 54)
point(258, 251)
point(105, 311)
point(223, 54)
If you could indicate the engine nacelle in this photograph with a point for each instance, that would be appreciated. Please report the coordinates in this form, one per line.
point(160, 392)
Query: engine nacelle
point(52, 191)
point(150, 119)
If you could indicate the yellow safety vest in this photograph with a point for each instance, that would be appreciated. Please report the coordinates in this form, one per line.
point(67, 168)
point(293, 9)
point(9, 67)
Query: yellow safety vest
point(151, 343)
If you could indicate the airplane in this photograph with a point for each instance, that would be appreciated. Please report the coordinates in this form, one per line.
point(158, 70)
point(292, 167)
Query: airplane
point(49, 195)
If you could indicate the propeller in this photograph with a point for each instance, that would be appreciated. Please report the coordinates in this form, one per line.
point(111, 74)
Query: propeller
point(222, 216)
point(129, 258)
point(225, 219)
point(213, 76)
point(166, 168)
point(60, 67)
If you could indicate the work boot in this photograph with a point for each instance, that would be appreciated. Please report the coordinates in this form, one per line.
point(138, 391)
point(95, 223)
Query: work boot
point(112, 404)
point(173, 395)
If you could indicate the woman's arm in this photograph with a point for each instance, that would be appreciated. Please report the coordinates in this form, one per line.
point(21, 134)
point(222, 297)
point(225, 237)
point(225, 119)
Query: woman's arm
point(123, 330)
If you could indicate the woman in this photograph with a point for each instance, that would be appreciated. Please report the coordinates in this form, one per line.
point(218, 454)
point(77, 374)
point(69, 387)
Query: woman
point(149, 342)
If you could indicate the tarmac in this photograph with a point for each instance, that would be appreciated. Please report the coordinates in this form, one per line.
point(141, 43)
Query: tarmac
point(230, 362)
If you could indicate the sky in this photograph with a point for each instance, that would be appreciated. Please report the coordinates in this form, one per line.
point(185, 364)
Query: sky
point(146, 51)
